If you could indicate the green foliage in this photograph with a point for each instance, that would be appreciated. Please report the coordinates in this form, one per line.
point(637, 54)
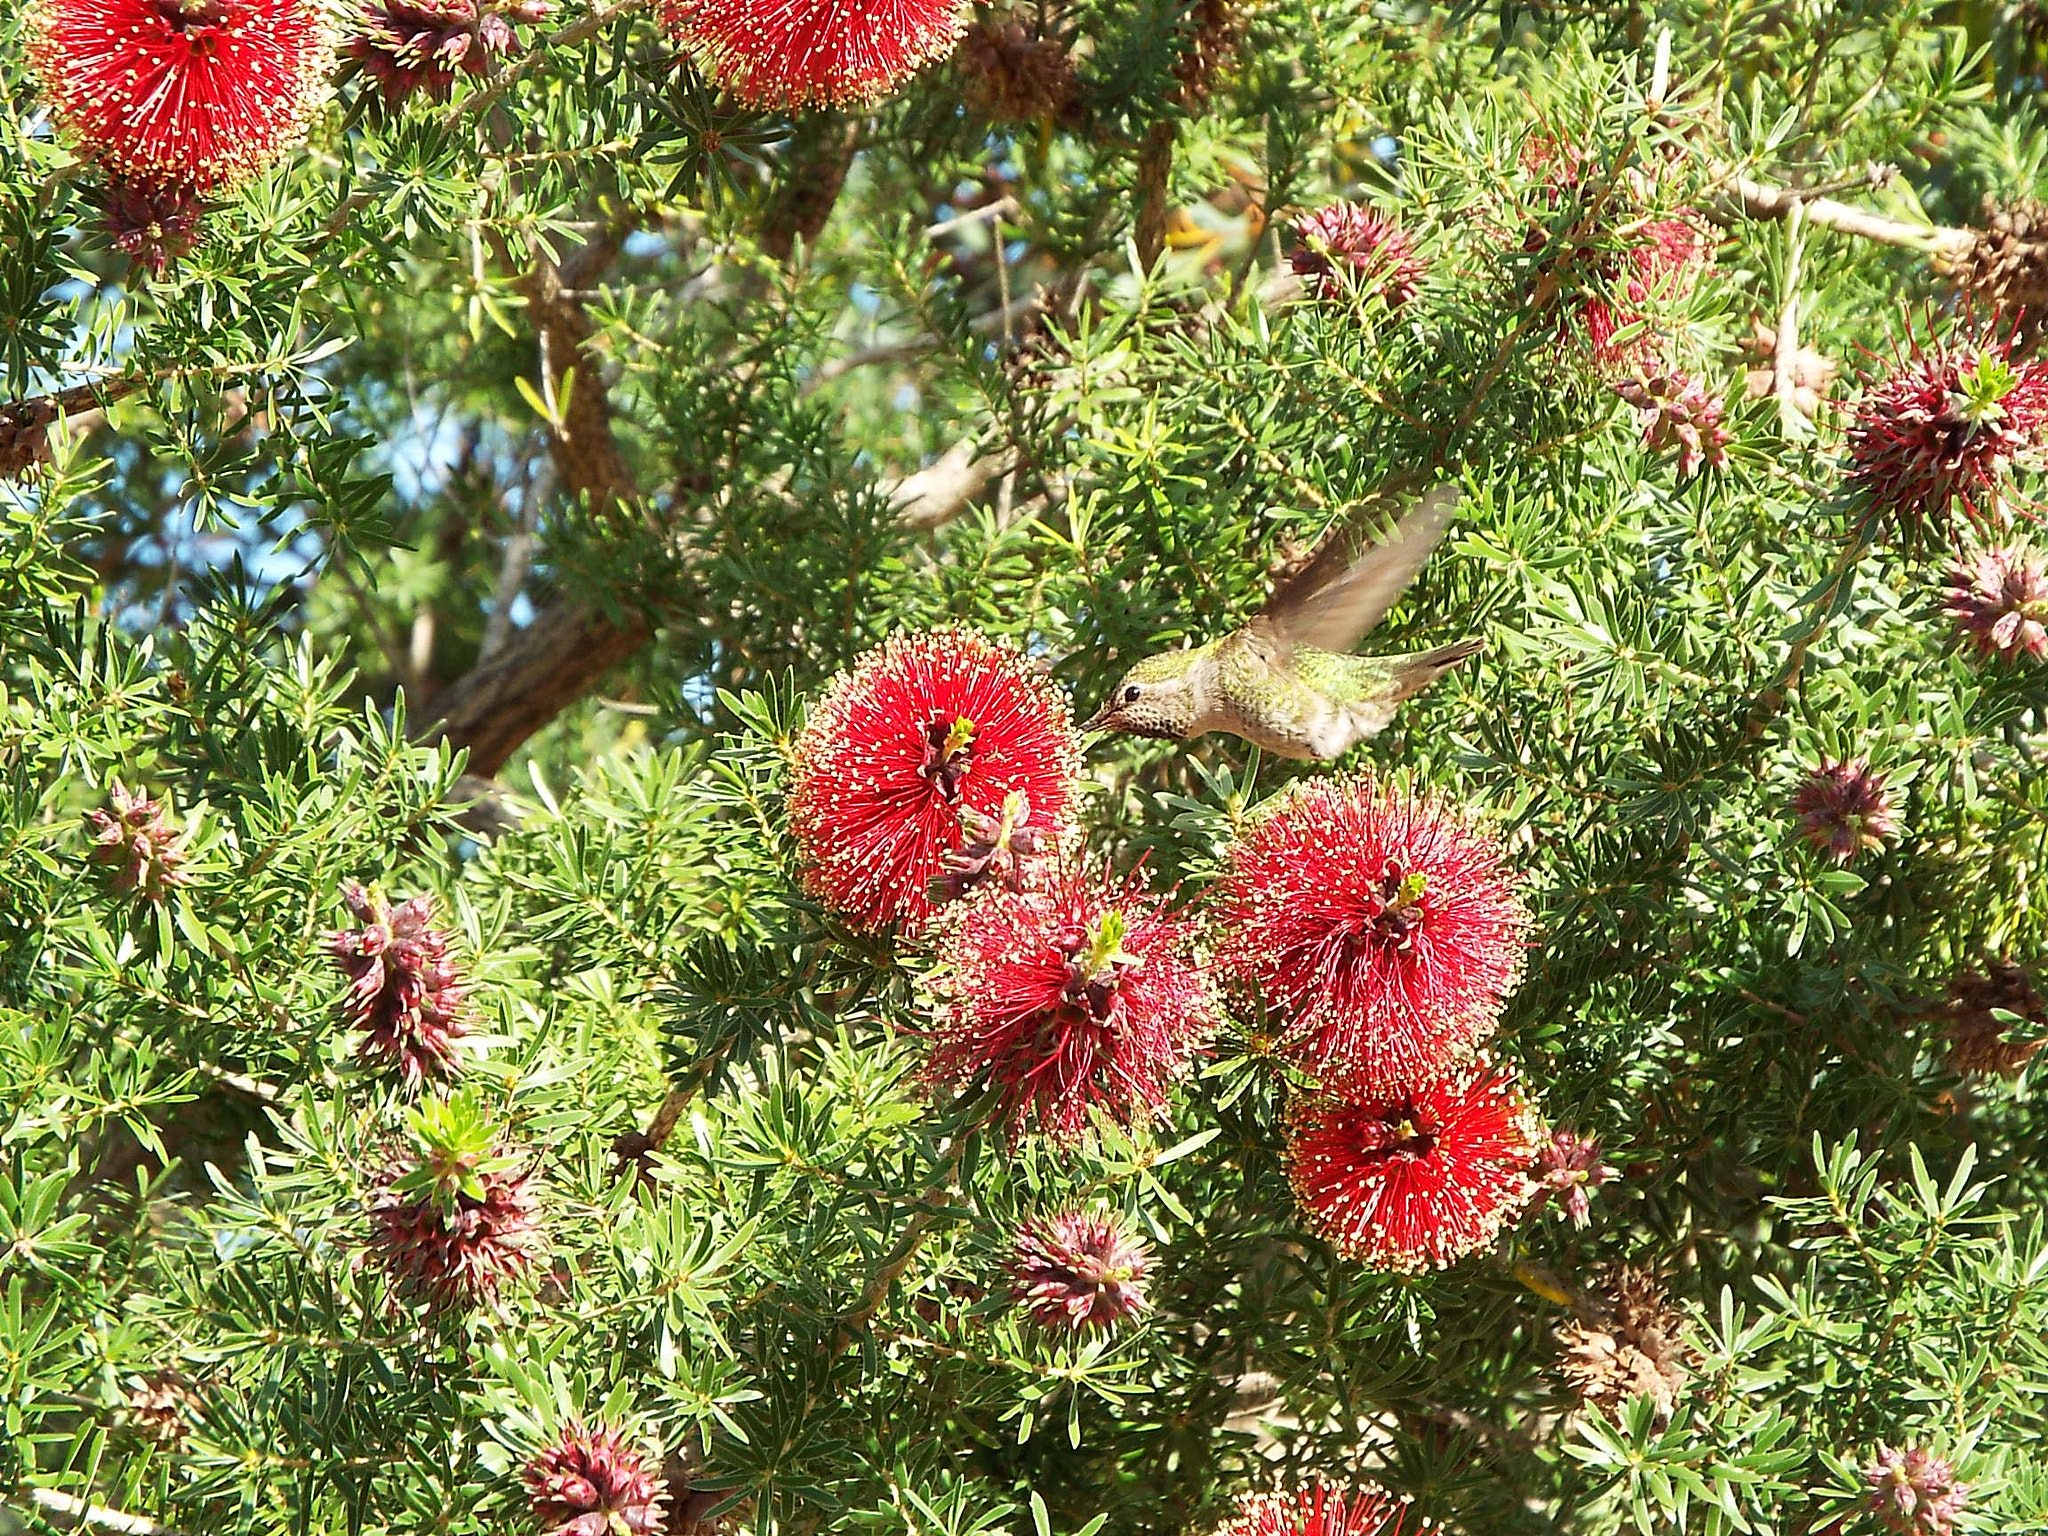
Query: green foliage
point(340, 473)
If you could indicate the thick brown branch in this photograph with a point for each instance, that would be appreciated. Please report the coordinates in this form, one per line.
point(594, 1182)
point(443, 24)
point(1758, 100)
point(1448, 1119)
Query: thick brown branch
point(558, 658)
point(541, 671)
point(25, 424)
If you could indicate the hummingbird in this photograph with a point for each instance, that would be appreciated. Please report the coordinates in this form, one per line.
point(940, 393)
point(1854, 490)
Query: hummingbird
point(1285, 681)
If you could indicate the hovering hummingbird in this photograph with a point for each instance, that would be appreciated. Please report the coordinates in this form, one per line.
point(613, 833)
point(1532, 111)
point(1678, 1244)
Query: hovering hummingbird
point(1285, 681)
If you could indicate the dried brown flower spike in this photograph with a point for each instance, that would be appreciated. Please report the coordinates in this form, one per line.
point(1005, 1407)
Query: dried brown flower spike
point(1628, 1343)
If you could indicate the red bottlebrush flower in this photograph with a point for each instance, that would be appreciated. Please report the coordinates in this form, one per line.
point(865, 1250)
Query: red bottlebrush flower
point(1914, 1491)
point(1844, 808)
point(1568, 1170)
point(593, 1481)
point(1418, 1180)
point(1322, 1510)
point(404, 990)
point(1665, 263)
point(919, 731)
point(186, 93)
point(1944, 426)
point(794, 54)
point(457, 1249)
point(138, 841)
point(1378, 924)
point(1613, 261)
point(1378, 253)
point(1999, 601)
point(1084, 994)
point(1080, 1271)
point(423, 45)
point(151, 224)
point(1676, 412)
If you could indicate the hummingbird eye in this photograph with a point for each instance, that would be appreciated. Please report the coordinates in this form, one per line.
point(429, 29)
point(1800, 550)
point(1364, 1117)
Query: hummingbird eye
point(1131, 693)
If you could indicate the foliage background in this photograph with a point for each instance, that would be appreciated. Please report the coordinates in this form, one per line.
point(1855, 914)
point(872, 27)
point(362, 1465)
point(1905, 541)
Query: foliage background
point(605, 421)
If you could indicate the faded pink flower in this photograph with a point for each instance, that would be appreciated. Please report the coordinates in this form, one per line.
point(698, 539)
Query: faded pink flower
point(1675, 411)
point(424, 45)
point(139, 842)
point(1377, 253)
point(1568, 1170)
point(593, 1481)
point(1914, 1491)
point(1999, 601)
point(1843, 808)
point(1078, 1270)
point(456, 1250)
point(404, 992)
point(1944, 426)
point(152, 223)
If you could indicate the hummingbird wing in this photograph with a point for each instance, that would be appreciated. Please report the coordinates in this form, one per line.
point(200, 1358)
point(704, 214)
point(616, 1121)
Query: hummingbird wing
point(1344, 590)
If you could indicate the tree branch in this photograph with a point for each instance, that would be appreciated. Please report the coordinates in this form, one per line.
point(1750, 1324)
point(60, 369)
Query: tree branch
point(539, 671)
point(78, 1512)
point(1747, 199)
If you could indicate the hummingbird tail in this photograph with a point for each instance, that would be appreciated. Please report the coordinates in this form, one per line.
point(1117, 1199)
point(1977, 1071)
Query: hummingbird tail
point(1444, 657)
point(1418, 672)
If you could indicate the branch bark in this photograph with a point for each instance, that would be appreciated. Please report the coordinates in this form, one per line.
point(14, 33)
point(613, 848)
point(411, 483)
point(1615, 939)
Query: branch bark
point(1759, 200)
point(541, 670)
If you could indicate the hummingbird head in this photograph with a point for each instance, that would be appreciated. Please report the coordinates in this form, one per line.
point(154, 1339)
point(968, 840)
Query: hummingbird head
point(1155, 698)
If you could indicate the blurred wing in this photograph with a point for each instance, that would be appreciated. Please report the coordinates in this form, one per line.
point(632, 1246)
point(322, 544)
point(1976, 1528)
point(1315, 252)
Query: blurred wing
point(1344, 590)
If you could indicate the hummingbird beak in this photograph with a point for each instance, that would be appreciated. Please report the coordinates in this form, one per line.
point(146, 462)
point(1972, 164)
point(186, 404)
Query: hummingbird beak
point(1100, 720)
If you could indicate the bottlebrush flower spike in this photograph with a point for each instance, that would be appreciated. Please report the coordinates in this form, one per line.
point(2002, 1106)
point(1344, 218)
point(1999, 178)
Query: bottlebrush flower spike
point(139, 842)
point(1320, 1509)
point(1914, 1491)
point(1844, 808)
point(1079, 1271)
point(1348, 247)
point(408, 46)
point(405, 992)
point(1665, 262)
point(1568, 1170)
point(1085, 994)
point(152, 224)
point(1612, 261)
point(1417, 1180)
point(1629, 1342)
point(457, 1220)
point(1675, 411)
point(593, 1481)
point(1944, 426)
point(1014, 74)
point(199, 94)
point(796, 54)
point(1379, 925)
point(1999, 601)
point(1979, 1041)
point(920, 732)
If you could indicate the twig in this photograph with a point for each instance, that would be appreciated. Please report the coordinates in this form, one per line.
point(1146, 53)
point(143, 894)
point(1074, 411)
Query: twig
point(480, 101)
point(1001, 208)
point(938, 493)
point(82, 1513)
point(1759, 200)
point(1785, 355)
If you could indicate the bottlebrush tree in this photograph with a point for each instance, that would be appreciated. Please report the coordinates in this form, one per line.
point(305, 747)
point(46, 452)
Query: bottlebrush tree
point(566, 966)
